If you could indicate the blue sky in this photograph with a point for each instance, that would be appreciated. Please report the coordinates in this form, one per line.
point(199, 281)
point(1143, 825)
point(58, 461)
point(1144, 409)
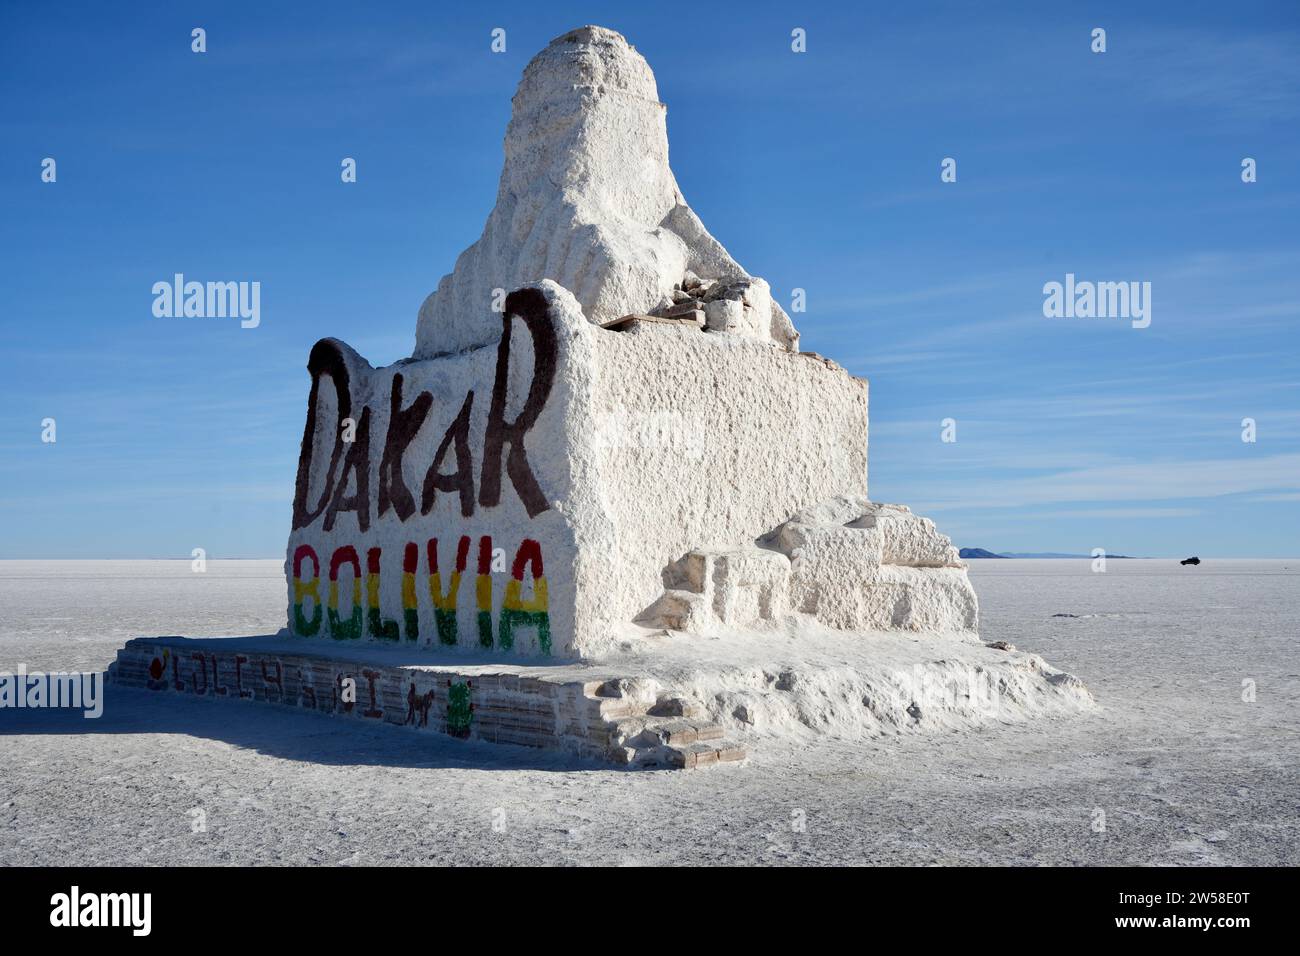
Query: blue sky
point(817, 170)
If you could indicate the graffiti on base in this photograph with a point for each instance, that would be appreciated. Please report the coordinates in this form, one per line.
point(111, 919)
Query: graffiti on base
point(417, 707)
point(157, 671)
point(313, 686)
point(460, 712)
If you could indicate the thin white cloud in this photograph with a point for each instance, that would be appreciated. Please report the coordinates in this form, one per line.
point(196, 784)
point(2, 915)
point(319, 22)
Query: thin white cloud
point(1149, 481)
point(1123, 513)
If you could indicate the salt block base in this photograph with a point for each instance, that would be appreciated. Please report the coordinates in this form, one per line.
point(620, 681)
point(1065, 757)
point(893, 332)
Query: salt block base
point(568, 708)
point(674, 701)
point(790, 685)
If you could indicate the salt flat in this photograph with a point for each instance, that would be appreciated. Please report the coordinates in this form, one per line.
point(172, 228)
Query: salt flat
point(1184, 770)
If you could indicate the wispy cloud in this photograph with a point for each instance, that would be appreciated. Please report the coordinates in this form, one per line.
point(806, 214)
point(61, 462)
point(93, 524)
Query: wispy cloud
point(1135, 481)
point(1123, 513)
point(1252, 77)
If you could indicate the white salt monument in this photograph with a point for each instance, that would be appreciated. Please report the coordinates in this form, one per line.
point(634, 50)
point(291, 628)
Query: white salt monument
point(607, 506)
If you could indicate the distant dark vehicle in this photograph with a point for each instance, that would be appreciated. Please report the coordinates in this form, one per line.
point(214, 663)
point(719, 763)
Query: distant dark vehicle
point(1192, 560)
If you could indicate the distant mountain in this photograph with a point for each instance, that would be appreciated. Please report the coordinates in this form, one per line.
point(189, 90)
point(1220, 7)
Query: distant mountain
point(982, 553)
point(978, 553)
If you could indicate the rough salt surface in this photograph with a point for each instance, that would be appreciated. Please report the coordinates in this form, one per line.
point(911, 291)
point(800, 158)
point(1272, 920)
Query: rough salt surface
point(1187, 773)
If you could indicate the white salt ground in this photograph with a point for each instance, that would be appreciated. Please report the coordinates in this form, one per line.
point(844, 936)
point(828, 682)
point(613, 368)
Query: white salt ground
point(1184, 770)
